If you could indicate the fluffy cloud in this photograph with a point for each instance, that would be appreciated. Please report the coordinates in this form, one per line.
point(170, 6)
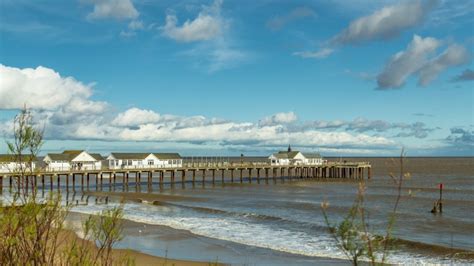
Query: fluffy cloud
point(405, 63)
point(206, 26)
point(43, 88)
point(278, 22)
point(135, 117)
point(453, 56)
point(116, 9)
point(415, 60)
point(466, 75)
point(279, 118)
point(461, 136)
point(386, 22)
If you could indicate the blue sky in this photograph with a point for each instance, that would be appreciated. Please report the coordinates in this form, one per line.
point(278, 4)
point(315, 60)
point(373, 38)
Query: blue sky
point(229, 77)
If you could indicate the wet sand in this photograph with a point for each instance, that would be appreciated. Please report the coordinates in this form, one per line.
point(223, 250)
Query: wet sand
point(138, 257)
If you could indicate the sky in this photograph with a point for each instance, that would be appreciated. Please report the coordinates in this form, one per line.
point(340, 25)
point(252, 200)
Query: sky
point(225, 77)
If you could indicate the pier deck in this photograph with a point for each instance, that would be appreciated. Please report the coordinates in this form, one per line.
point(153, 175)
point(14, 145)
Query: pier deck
point(193, 172)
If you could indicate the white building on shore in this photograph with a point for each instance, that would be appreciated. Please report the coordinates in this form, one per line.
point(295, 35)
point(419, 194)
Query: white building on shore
point(291, 157)
point(10, 164)
point(144, 160)
point(73, 160)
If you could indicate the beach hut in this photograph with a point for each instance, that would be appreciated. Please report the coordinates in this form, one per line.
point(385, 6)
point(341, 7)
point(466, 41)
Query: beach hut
point(73, 160)
point(144, 160)
point(11, 164)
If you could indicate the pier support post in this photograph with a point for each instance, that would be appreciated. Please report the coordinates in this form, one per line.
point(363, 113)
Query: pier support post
point(232, 175)
point(183, 176)
point(87, 180)
point(223, 172)
point(82, 182)
point(172, 176)
point(250, 175)
point(67, 181)
point(369, 173)
point(266, 173)
point(1, 184)
point(213, 175)
point(241, 175)
point(194, 176)
point(203, 175)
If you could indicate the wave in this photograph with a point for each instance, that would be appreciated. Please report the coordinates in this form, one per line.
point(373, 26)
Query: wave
point(238, 230)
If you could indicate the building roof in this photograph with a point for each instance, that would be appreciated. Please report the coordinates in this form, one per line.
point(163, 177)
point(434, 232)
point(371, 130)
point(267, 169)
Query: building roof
point(8, 158)
point(167, 155)
point(312, 155)
point(129, 156)
point(142, 156)
point(69, 155)
point(285, 154)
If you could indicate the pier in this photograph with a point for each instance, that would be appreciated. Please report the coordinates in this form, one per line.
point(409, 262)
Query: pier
point(221, 172)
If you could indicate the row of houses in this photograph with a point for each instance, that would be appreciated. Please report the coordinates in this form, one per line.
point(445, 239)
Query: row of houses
point(83, 160)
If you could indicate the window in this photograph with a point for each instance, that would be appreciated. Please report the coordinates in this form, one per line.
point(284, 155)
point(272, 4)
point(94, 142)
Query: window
point(151, 162)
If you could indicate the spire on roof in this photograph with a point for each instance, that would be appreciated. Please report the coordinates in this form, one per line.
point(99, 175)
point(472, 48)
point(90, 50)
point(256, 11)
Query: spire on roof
point(289, 148)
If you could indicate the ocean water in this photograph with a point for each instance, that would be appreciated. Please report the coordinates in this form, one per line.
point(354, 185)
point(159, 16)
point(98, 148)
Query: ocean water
point(285, 215)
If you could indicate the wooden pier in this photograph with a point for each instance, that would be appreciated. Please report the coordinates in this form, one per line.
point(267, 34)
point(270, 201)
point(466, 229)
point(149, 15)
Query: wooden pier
point(209, 172)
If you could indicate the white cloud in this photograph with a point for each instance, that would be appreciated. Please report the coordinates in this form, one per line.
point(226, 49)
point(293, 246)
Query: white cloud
point(135, 25)
point(417, 60)
point(43, 88)
point(135, 117)
point(453, 56)
point(207, 25)
point(323, 53)
point(116, 9)
point(297, 13)
point(386, 22)
point(405, 63)
point(279, 118)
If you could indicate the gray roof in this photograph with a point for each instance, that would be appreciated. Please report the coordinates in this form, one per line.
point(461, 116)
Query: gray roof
point(68, 155)
point(129, 156)
point(142, 156)
point(312, 155)
point(286, 154)
point(167, 155)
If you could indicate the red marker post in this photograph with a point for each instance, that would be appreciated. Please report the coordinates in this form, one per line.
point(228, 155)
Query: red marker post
point(440, 197)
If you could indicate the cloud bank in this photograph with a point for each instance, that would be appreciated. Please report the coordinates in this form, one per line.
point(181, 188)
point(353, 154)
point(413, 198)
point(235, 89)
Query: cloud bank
point(64, 106)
